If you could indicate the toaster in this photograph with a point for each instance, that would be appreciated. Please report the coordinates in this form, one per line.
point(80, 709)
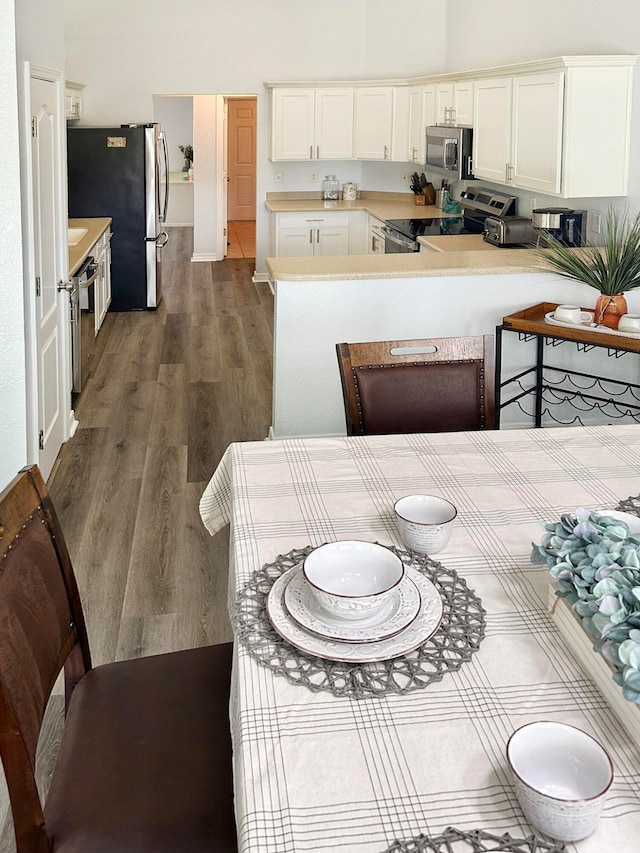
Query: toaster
point(509, 231)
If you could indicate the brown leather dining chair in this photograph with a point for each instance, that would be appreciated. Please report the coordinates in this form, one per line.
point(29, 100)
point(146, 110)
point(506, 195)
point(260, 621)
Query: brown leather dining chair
point(145, 758)
point(423, 385)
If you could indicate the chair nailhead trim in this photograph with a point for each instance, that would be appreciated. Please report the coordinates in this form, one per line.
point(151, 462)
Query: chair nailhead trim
point(24, 527)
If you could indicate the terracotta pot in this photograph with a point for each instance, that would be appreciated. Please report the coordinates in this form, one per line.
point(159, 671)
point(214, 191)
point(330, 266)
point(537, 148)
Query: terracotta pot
point(609, 309)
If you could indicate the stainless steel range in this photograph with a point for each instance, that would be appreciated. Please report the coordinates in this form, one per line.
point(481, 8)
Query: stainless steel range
point(401, 235)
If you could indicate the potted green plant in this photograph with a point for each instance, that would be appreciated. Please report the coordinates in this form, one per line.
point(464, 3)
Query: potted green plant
point(612, 269)
point(187, 153)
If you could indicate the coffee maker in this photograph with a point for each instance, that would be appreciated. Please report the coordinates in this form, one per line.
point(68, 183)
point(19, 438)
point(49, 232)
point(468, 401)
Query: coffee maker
point(564, 224)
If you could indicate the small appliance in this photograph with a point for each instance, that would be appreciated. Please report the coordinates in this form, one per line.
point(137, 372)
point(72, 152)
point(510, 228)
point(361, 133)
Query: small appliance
point(449, 152)
point(509, 231)
point(562, 223)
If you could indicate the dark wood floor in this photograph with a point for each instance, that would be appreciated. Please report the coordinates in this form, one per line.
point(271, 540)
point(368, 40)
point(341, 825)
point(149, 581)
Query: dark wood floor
point(172, 389)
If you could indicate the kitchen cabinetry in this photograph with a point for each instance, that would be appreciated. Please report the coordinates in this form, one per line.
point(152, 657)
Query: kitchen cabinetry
point(422, 114)
point(537, 132)
point(454, 103)
point(376, 236)
point(518, 131)
point(312, 124)
point(73, 100)
point(382, 123)
point(102, 287)
point(298, 235)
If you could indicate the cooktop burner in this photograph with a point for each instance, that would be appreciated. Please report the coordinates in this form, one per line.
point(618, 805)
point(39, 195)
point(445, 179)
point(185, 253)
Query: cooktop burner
point(414, 228)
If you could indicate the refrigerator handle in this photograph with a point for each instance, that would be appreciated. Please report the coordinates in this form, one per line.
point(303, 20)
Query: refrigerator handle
point(165, 156)
point(162, 239)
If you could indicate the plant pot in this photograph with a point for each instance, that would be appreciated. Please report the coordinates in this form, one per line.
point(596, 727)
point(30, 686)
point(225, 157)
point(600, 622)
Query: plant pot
point(609, 309)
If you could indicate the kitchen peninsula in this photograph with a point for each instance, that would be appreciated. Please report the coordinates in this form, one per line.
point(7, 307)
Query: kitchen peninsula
point(322, 301)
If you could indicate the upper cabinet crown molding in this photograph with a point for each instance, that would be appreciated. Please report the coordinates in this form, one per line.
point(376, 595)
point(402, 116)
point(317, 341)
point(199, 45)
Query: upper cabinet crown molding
point(529, 66)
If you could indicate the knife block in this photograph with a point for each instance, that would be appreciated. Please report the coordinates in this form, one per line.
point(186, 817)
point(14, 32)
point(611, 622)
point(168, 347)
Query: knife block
point(420, 199)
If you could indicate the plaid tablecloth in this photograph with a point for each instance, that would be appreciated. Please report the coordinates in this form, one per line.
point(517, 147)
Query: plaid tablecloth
point(318, 773)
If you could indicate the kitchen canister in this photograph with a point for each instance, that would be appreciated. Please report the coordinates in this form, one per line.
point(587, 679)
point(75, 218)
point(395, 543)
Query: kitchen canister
point(330, 188)
point(349, 191)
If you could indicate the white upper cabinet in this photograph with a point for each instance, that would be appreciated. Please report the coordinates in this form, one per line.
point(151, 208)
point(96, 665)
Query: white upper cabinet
point(536, 144)
point(454, 103)
point(517, 131)
point(73, 100)
point(312, 124)
point(374, 122)
point(492, 129)
point(422, 114)
point(562, 132)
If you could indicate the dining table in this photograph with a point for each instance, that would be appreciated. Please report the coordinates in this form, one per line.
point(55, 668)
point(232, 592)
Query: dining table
point(357, 756)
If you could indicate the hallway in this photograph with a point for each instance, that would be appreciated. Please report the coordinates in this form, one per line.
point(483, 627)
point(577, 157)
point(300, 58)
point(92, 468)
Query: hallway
point(172, 389)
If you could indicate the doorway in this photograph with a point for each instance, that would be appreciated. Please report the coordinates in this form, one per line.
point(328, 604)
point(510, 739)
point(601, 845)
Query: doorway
point(241, 177)
point(222, 194)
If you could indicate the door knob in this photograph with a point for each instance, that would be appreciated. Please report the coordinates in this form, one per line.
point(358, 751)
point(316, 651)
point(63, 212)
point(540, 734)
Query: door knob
point(68, 286)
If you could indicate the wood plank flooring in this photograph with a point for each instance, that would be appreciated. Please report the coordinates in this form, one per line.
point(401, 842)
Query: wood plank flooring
point(172, 389)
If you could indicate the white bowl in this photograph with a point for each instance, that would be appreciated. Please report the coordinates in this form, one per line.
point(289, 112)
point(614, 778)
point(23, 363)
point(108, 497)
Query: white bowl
point(629, 323)
point(424, 522)
point(561, 776)
point(353, 580)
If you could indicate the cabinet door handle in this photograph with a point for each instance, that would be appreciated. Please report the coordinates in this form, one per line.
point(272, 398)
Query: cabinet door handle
point(373, 243)
point(317, 235)
point(317, 152)
point(311, 152)
point(386, 152)
point(311, 235)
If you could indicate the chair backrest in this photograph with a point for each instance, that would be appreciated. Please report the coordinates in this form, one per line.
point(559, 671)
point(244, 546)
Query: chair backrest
point(425, 385)
point(42, 629)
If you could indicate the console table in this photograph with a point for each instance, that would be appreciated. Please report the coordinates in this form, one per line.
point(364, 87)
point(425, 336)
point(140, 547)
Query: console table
point(550, 385)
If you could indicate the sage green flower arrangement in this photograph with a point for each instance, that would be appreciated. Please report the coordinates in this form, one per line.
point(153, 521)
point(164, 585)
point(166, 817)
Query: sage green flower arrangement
point(596, 563)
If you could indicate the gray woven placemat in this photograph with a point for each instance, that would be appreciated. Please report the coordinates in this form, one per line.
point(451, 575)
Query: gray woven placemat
point(630, 505)
point(457, 638)
point(474, 841)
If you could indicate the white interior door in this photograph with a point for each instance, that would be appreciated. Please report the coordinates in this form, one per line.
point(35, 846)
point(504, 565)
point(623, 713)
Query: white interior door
point(51, 316)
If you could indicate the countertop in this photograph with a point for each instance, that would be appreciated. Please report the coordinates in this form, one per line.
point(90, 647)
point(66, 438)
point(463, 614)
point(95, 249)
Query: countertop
point(96, 228)
point(459, 243)
point(411, 265)
point(376, 205)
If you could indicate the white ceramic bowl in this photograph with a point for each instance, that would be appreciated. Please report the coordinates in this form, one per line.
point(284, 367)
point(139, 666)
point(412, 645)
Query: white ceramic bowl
point(561, 776)
point(568, 314)
point(629, 323)
point(424, 522)
point(353, 580)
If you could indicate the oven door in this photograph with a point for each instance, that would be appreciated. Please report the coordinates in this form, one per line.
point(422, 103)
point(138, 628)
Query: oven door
point(395, 242)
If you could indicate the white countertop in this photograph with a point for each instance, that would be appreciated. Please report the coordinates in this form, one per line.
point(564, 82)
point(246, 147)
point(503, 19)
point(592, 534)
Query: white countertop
point(411, 265)
point(376, 204)
point(458, 243)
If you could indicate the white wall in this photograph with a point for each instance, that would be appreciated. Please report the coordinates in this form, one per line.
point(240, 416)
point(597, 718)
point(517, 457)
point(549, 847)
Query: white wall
point(499, 32)
point(34, 31)
point(13, 429)
point(233, 48)
point(175, 115)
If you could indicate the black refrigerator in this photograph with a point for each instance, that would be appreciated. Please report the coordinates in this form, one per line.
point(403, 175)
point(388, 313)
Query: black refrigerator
point(122, 172)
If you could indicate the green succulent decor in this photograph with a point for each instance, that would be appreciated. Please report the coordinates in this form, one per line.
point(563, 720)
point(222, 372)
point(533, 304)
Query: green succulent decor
point(596, 563)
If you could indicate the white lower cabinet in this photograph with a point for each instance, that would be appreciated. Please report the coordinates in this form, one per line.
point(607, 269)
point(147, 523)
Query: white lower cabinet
point(298, 235)
point(102, 286)
point(376, 236)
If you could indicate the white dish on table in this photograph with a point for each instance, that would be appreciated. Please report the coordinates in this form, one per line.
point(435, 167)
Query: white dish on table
point(418, 632)
point(304, 608)
point(587, 320)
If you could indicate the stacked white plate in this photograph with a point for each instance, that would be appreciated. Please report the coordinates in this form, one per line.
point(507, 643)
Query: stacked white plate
point(411, 617)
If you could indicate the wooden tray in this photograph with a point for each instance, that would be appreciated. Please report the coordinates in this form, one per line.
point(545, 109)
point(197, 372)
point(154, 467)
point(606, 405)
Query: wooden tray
point(594, 664)
point(532, 320)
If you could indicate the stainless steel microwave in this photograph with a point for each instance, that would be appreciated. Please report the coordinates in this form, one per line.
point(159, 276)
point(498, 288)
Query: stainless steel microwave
point(449, 152)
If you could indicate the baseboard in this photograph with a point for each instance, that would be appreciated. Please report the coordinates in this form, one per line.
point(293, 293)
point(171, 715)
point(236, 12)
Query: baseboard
point(259, 276)
point(178, 224)
point(203, 256)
